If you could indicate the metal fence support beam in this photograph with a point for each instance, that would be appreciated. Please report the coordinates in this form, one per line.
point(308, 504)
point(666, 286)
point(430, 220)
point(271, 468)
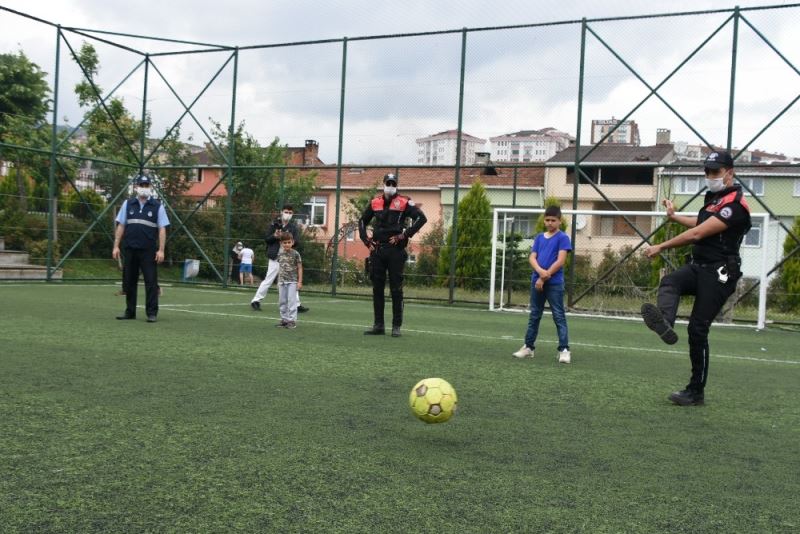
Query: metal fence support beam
point(335, 255)
point(457, 179)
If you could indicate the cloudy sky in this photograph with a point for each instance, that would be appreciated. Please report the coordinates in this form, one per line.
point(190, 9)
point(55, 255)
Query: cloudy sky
point(400, 89)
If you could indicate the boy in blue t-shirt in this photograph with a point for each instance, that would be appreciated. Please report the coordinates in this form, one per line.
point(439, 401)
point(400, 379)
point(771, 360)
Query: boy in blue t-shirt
point(548, 254)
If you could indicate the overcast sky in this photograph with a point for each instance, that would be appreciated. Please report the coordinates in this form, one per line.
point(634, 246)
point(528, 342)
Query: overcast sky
point(401, 89)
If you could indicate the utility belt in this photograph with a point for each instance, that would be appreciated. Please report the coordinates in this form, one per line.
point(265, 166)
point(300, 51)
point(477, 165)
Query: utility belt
point(729, 268)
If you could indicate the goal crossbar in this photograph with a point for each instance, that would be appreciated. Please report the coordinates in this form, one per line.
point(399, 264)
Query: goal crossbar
point(764, 267)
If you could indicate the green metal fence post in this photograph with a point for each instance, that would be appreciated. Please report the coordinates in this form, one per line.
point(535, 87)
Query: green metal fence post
point(335, 257)
point(457, 179)
point(734, 47)
point(143, 132)
point(51, 190)
point(282, 190)
point(229, 182)
point(576, 180)
point(513, 228)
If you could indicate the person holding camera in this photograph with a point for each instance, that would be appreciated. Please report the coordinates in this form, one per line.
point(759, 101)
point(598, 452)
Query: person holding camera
point(716, 234)
point(281, 225)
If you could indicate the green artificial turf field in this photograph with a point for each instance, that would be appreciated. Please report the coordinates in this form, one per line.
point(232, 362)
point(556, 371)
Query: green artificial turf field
point(213, 420)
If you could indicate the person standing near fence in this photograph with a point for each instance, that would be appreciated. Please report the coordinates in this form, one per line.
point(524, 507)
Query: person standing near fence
point(142, 231)
point(387, 249)
point(290, 280)
point(716, 234)
point(548, 255)
point(281, 225)
point(246, 256)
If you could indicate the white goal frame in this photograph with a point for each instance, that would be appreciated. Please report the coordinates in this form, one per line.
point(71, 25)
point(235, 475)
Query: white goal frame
point(497, 212)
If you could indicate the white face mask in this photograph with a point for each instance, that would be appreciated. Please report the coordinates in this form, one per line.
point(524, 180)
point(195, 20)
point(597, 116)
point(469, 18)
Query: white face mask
point(715, 185)
point(286, 216)
point(389, 190)
point(143, 192)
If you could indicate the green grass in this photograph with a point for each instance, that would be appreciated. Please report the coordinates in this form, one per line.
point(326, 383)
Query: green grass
point(212, 420)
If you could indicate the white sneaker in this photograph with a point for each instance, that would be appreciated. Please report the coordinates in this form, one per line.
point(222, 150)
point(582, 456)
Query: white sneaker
point(564, 356)
point(524, 352)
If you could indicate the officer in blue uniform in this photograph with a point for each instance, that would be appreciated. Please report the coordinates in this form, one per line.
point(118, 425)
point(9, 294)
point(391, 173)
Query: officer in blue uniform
point(142, 230)
point(387, 249)
point(711, 274)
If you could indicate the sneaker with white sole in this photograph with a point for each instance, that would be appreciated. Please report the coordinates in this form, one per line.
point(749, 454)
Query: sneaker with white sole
point(564, 356)
point(524, 352)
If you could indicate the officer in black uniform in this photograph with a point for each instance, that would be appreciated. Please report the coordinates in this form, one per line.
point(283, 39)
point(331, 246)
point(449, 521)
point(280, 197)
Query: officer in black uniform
point(141, 228)
point(387, 249)
point(711, 274)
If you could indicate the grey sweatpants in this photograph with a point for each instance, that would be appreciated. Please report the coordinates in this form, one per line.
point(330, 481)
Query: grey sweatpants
point(287, 301)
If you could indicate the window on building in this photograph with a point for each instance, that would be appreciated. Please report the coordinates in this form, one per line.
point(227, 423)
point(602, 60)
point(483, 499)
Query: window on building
point(686, 185)
point(797, 187)
point(756, 185)
point(316, 210)
point(196, 176)
point(615, 225)
point(591, 172)
point(753, 237)
point(626, 175)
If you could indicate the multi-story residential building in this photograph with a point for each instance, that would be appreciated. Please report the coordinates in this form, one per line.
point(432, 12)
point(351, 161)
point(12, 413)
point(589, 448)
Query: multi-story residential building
point(626, 134)
point(529, 145)
point(440, 148)
point(627, 175)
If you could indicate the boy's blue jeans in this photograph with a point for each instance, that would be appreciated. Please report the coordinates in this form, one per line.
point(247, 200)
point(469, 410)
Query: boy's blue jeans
point(554, 294)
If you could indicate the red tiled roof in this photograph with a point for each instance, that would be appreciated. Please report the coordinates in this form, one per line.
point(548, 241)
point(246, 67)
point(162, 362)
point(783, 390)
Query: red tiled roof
point(429, 178)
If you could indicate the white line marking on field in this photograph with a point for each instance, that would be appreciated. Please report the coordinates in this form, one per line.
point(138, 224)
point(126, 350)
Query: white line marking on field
point(501, 338)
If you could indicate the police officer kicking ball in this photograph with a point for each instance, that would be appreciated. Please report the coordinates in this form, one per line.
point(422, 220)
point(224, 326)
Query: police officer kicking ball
point(142, 230)
point(387, 249)
point(711, 274)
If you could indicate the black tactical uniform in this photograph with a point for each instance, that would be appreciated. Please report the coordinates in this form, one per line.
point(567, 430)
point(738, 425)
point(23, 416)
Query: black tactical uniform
point(387, 249)
point(710, 275)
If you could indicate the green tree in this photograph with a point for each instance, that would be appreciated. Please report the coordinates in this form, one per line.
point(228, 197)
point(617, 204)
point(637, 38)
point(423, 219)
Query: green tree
point(790, 270)
point(173, 183)
point(427, 267)
point(113, 133)
point(257, 191)
point(474, 243)
point(24, 103)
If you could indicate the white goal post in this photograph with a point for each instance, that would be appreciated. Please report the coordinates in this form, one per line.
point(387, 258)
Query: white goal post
point(502, 216)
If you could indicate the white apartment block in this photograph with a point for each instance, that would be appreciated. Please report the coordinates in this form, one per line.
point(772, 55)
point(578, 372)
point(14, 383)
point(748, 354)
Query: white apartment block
point(529, 145)
point(440, 148)
point(626, 134)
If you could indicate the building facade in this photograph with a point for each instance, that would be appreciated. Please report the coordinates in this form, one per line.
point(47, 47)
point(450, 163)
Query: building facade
point(627, 133)
point(440, 148)
point(529, 145)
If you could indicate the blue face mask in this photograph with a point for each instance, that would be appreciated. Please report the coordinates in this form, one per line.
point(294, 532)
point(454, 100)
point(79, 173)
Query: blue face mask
point(389, 190)
point(143, 192)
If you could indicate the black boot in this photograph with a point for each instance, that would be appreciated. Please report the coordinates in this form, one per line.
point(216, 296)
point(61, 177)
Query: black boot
point(655, 321)
point(376, 330)
point(687, 397)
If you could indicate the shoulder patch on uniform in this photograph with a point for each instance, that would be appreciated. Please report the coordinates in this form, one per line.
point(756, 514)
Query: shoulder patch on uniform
point(726, 212)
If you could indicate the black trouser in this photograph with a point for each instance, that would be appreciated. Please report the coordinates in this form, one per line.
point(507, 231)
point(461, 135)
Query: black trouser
point(144, 259)
point(710, 296)
point(392, 259)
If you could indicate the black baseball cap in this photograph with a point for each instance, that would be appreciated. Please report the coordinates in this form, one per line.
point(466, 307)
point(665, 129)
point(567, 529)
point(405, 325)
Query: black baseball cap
point(718, 159)
point(390, 178)
point(142, 179)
